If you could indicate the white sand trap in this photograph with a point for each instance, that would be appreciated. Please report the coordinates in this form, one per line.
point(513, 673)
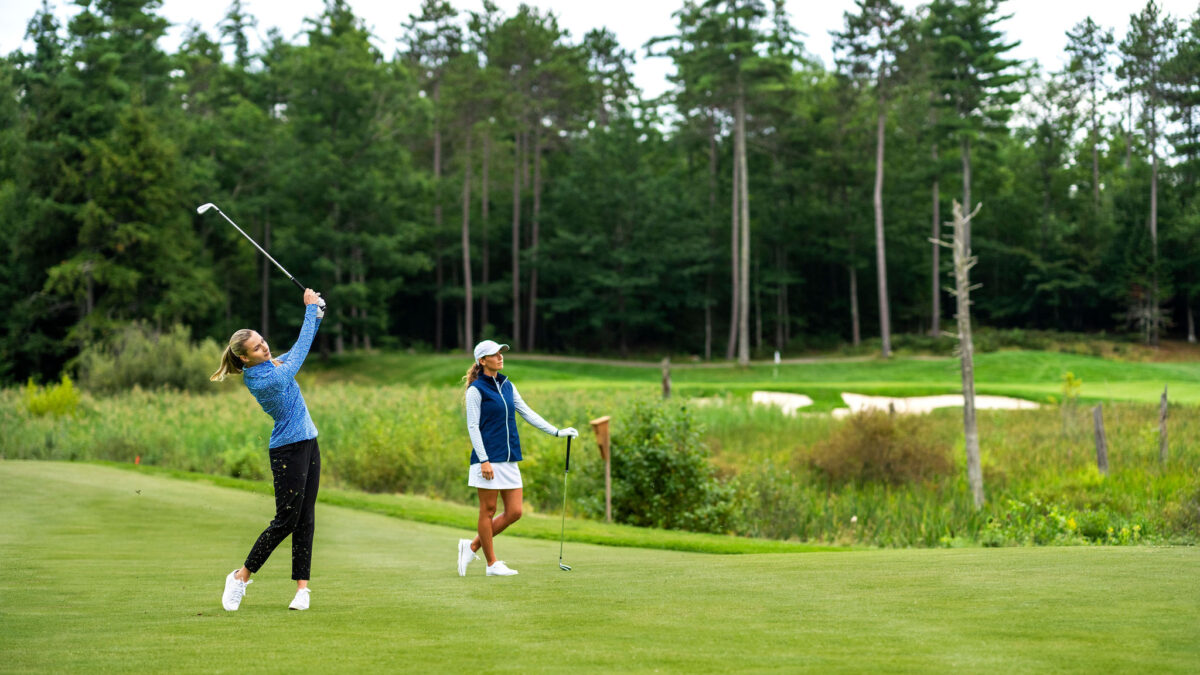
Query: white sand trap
point(922, 404)
point(787, 403)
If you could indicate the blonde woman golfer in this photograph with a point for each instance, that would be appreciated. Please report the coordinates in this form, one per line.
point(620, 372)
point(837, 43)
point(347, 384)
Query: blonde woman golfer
point(295, 457)
point(492, 401)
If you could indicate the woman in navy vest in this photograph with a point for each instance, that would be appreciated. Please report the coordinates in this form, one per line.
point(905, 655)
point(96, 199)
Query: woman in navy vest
point(492, 400)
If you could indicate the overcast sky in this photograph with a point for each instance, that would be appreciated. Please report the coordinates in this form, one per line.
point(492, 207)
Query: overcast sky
point(1039, 24)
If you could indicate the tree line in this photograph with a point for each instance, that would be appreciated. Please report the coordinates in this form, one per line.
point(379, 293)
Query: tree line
point(496, 176)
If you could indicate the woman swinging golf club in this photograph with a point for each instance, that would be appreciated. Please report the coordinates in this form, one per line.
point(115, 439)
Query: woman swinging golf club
point(491, 400)
point(295, 458)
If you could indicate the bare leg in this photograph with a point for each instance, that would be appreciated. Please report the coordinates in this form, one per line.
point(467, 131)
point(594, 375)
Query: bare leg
point(512, 513)
point(243, 574)
point(301, 584)
point(487, 507)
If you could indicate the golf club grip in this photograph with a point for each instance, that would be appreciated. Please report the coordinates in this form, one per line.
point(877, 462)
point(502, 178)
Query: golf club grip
point(298, 284)
point(567, 467)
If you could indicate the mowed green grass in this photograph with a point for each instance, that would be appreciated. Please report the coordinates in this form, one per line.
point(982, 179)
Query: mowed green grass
point(116, 570)
point(1026, 374)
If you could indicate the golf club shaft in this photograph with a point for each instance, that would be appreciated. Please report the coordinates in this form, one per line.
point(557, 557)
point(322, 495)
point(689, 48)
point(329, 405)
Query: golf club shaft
point(251, 240)
point(563, 529)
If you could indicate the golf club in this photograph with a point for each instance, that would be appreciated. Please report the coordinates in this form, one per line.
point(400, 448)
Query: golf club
point(563, 529)
point(205, 207)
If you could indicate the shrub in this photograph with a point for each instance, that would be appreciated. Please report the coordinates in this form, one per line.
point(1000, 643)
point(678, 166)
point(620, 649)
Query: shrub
point(878, 447)
point(57, 400)
point(661, 474)
point(139, 356)
point(1043, 522)
point(246, 461)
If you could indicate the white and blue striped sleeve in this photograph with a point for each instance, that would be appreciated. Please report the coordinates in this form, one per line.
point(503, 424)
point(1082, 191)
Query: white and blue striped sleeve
point(529, 415)
point(473, 406)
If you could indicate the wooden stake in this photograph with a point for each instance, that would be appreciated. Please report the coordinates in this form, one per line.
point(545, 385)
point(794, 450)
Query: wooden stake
point(600, 429)
point(1101, 441)
point(1162, 428)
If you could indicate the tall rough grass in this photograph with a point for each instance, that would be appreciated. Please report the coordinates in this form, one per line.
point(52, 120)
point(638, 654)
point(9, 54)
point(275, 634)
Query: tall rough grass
point(1040, 476)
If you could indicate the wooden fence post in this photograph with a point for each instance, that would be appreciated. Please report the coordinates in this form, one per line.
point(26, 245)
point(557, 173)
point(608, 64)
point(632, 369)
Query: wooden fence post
point(666, 376)
point(1101, 441)
point(1162, 428)
point(600, 429)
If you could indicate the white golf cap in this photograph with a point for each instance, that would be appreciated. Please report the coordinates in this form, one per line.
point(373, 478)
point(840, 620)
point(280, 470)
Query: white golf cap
point(487, 348)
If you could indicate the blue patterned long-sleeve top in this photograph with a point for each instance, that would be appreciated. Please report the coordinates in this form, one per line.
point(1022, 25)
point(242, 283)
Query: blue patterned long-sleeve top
point(275, 388)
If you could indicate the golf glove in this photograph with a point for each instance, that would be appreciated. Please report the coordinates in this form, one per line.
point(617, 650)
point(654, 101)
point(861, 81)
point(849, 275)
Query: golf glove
point(567, 432)
point(321, 308)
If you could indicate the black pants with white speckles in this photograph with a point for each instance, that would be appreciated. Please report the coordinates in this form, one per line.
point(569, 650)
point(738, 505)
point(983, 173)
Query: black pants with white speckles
point(296, 468)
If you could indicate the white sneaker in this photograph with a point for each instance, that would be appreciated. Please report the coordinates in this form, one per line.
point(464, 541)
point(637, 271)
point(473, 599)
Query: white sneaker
point(465, 556)
point(235, 590)
point(301, 600)
point(500, 570)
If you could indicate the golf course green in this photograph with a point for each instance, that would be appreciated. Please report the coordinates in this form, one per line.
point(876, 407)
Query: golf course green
point(114, 570)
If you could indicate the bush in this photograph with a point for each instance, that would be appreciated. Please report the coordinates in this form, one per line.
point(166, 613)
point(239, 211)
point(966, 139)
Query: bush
point(878, 447)
point(57, 400)
point(139, 356)
point(661, 474)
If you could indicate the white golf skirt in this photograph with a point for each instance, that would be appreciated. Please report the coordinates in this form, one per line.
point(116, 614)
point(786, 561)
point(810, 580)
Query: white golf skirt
point(505, 476)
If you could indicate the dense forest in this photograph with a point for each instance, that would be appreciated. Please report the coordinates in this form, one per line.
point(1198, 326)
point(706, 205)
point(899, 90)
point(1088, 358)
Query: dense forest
point(492, 175)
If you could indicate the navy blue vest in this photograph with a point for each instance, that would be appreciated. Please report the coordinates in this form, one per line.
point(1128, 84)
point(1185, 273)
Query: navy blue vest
point(497, 420)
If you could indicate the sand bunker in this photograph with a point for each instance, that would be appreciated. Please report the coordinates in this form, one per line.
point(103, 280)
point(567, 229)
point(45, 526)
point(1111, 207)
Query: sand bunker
point(789, 404)
point(922, 404)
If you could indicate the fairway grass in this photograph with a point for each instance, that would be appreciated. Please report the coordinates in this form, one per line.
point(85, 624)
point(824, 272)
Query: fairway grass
point(118, 570)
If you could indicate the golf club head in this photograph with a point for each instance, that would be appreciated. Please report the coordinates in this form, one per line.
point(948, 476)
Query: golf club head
point(565, 568)
point(204, 207)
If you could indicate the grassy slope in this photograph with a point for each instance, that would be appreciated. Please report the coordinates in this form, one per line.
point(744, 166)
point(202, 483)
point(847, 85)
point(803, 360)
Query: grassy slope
point(121, 570)
point(1034, 375)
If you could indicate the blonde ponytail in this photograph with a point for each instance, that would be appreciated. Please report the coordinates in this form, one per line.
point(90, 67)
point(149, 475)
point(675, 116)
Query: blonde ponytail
point(230, 361)
point(472, 373)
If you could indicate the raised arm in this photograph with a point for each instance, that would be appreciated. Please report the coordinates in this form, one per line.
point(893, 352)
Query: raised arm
point(474, 401)
point(298, 352)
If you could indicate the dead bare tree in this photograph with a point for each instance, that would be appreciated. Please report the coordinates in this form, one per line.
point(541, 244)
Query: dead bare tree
point(960, 245)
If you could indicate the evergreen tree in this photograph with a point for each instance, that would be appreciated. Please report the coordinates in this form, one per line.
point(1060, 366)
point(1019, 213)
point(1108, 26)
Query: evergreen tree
point(976, 83)
point(871, 42)
point(1144, 51)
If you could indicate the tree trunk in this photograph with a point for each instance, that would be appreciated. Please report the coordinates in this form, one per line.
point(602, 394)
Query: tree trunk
point(855, 333)
point(1129, 133)
point(963, 262)
point(734, 295)
point(339, 340)
point(516, 242)
point(1095, 157)
point(531, 334)
point(758, 339)
point(437, 222)
point(787, 314)
point(712, 210)
point(885, 327)
point(1154, 320)
point(264, 322)
point(468, 299)
point(362, 279)
point(744, 221)
point(1191, 324)
point(966, 178)
point(339, 328)
point(780, 295)
point(935, 325)
point(484, 189)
